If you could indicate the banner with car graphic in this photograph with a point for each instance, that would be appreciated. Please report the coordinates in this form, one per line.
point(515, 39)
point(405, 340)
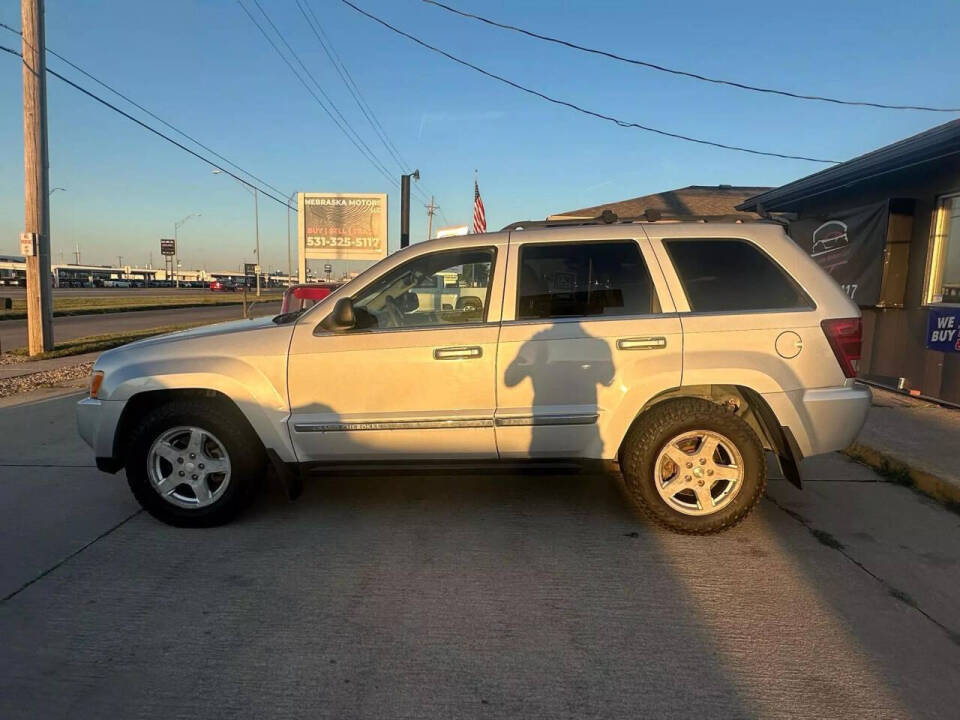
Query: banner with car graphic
point(343, 226)
point(849, 245)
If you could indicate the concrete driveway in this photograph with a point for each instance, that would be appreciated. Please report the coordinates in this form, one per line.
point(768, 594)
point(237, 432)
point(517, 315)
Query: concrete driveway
point(494, 596)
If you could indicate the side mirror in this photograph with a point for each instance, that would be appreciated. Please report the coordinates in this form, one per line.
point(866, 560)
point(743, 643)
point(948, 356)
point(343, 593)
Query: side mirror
point(342, 318)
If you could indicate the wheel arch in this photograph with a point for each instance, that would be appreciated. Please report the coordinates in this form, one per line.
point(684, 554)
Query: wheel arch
point(141, 403)
point(746, 403)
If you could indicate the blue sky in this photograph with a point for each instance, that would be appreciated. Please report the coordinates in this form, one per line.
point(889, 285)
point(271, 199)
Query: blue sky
point(204, 67)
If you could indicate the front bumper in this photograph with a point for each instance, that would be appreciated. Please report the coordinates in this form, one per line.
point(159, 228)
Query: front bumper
point(97, 422)
point(825, 419)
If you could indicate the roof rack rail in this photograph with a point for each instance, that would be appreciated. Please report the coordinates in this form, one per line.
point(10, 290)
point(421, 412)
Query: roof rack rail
point(650, 215)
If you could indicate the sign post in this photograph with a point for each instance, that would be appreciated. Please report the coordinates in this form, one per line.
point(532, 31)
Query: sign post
point(341, 226)
point(168, 248)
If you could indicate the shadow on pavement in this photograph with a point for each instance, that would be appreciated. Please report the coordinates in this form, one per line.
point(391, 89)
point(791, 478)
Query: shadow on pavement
point(532, 596)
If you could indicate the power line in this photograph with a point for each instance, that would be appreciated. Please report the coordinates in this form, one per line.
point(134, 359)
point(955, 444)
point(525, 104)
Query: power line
point(153, 115)
point(585, 111)
point(142, 124)
point(695, 76)
point(328, 48)
point(351, 87)
point(361, 146)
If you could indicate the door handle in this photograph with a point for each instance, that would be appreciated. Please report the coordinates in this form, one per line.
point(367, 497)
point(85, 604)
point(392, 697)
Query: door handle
point(642, 343)
point(458, 353)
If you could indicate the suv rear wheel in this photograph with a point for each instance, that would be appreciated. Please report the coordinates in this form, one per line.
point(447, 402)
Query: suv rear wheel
point(192, 464)
point(693, 466)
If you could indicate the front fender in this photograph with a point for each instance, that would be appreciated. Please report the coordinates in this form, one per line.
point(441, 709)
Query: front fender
point(254, 391)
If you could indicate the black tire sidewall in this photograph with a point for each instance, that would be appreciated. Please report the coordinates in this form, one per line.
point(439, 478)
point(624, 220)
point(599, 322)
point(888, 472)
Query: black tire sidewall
point(246, 463)
point(665, 421)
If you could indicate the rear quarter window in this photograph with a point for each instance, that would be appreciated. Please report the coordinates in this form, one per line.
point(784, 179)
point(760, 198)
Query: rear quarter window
point(719, 275)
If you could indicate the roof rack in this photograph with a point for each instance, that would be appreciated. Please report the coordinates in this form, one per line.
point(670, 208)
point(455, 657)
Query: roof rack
point(650, 215)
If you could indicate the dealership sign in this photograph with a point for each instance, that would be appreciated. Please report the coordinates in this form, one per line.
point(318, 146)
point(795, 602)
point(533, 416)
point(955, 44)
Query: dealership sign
point(849, 245)
point(342, 226)
point(168, 246)
point(943, 329)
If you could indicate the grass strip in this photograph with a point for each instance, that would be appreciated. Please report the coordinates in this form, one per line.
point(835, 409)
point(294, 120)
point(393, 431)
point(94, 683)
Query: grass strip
point(96, 306)
point(99, 343)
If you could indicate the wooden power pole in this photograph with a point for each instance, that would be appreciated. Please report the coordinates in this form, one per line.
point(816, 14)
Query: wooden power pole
point(431, 209)
point(35, 242)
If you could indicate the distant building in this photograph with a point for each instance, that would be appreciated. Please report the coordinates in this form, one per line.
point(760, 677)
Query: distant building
point(700, 200)
point(886, 226)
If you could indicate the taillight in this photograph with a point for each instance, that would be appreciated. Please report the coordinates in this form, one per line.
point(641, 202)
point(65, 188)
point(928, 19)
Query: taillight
point(844, 336)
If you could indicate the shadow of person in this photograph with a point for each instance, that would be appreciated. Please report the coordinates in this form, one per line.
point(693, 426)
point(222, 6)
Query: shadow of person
point(565, 365)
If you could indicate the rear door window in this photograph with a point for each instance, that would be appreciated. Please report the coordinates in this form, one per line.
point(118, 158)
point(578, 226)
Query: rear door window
point(583, 279)
point(721, 275)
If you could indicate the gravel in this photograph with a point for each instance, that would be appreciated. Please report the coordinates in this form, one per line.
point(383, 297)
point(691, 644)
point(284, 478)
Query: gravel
point(11, 359)
point(57, 377)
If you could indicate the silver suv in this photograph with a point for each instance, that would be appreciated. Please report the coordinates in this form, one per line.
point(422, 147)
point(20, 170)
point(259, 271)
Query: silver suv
point(680, 351)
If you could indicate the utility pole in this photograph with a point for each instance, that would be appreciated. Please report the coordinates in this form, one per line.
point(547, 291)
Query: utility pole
point(289, 255)
point(77, 252)
point(431, 209)
point(405, 206)
point(256, 222)
point(36, 180)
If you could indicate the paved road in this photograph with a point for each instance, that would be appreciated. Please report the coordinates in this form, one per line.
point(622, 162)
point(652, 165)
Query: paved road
point(13, 333)
point(459, 597)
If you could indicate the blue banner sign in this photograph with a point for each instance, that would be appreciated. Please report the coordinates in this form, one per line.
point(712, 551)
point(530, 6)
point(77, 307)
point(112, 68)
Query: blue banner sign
point(943, 329)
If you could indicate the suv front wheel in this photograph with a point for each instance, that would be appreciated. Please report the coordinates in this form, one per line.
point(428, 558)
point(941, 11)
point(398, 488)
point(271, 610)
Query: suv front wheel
point(693, 466)
point(193, 464)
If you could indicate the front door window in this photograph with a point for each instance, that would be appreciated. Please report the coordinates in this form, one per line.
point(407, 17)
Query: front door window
point(435, 290)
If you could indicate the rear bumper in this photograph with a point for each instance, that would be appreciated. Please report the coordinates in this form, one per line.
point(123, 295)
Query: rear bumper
point(825, 419)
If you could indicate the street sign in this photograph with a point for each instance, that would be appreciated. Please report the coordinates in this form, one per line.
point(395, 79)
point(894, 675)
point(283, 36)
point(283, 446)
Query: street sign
point(328, 268)
point(28, 244)
point(168, 246)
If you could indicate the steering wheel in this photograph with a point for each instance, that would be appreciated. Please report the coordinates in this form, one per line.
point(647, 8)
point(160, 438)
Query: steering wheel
point(393, 312)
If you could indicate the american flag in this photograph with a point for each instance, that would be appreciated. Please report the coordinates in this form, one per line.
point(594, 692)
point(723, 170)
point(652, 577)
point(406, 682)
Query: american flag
point(479, 216)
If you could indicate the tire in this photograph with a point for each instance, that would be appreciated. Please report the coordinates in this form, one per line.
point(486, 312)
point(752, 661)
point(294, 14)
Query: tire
point(683, 429)
point(223, 434)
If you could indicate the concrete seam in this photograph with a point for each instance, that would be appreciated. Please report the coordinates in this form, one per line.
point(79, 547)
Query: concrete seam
point(891, 590)
point(69, 557)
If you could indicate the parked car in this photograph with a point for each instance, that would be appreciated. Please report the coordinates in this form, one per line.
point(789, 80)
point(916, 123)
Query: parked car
point(298, 298)
point(678, 351)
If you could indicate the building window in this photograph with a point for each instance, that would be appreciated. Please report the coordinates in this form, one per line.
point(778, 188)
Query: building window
point(944, 285)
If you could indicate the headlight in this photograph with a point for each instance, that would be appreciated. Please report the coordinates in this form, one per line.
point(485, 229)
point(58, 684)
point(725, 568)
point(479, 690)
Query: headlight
point(96, 380)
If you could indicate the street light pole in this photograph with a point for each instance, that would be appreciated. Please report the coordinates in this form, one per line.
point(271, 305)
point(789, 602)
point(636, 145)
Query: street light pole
point(405, 206)
point(176, 247)
point(256, 219)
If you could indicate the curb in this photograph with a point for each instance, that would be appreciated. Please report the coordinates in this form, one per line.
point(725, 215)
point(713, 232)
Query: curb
point(939, 488)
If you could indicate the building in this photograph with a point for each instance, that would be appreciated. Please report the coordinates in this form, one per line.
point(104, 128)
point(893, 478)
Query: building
point(710, 201)
point(886, 225)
